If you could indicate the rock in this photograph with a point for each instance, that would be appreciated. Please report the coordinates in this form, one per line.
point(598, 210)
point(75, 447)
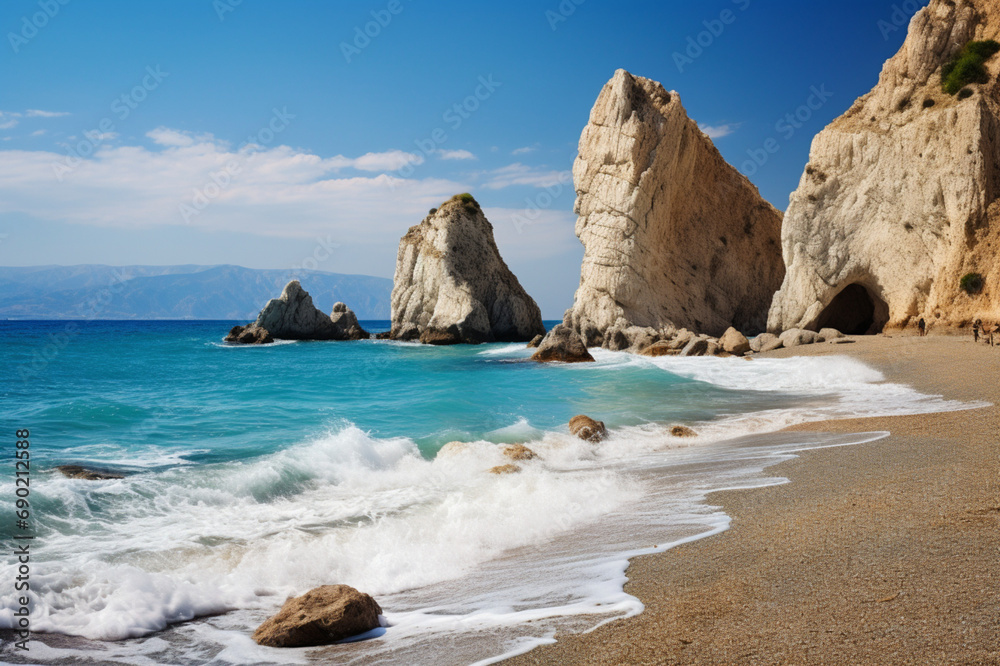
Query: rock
point(661, 348)
point(830, 334)
point(672, 234)
point(715, 349)
point(519, 452)
point(696, 347)
point(451, 285)
point(900, 199)
point(321, 616)
point(384, 335)
point(249, 335)
point(587, 428)
point(734, 342)
point(292, 316)
point(682, 431)
point(86, 473)
point(763, 340)
point(452, 449)
point(505, 469)
point(681, 340)
point(772, 345)
point(562, 344)
point(536, 341)
point(797, 336)
point(346, 322)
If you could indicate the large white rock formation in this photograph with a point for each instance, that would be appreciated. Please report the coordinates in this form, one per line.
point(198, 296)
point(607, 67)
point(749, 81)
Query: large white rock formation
point(673, 235)
point(900, 196)
point(452, 286)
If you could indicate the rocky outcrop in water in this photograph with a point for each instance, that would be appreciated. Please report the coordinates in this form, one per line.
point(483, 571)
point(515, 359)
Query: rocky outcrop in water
point(672, 234)
point(587, 428)
point(86, 473)
point(897, 216)
point(292, 316)
point(562, 344)
point(452, 286)
point(321, 616)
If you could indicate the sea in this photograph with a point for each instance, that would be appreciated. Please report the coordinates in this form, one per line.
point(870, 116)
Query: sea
point(255, 473)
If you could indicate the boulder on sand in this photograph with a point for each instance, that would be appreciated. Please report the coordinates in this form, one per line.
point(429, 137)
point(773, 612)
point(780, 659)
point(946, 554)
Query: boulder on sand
point(321, 616)
point(734, 342)
point(587, 428)
point(562, 344)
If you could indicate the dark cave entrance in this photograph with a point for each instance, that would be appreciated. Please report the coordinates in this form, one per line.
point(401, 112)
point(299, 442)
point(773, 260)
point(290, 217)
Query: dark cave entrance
point(854, 311)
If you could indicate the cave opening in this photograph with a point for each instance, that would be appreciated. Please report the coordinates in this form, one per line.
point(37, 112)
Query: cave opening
point(854, 311)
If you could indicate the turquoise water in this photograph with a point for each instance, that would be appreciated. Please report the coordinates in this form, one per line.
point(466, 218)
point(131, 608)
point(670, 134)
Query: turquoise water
point(152, 390)
point(255, 473)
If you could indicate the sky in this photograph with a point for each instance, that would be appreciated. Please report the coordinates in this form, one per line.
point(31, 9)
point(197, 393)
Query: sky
point(312, 134)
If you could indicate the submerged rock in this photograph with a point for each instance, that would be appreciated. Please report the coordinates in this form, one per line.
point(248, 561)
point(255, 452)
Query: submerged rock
point(672, 234)
point(562, 344)
point(519, 452)
point(86, 473)
point(901, 196)
point(321, 616)
point(505, 469)
point(587, 428)
point(682, 431)
point(452, 286)
point(536, 341)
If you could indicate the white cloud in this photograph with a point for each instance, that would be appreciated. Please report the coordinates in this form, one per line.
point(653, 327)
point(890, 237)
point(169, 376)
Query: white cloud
point(392, 160)
point(273, 191)
point(9, 119)
point(520, 174)
point(455, 155)
point(524, 150)
point(37, 113)
point(38, 133)
point(164, 136)
point(719, 131)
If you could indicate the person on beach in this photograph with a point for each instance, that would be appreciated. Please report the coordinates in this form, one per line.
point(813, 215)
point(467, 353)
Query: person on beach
point(922, 325)
point(975, 329)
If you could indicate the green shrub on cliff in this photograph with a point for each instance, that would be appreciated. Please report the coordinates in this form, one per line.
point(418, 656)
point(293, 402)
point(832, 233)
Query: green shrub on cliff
point(968, 66)
point(971, 283)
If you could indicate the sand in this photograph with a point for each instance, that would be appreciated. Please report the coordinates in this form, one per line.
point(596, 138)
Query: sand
point(881, 553)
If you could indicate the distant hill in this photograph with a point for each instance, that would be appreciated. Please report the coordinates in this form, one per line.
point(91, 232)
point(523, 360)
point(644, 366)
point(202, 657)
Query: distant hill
point(175, 292)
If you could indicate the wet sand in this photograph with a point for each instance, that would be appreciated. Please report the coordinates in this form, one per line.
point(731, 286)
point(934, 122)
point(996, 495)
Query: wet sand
point(881, 553)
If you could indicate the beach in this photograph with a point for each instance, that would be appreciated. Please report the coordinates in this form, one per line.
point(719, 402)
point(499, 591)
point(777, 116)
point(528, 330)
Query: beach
point(884, 552)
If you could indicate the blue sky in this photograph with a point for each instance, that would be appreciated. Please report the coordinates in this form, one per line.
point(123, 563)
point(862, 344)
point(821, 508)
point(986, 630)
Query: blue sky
point(272, 135)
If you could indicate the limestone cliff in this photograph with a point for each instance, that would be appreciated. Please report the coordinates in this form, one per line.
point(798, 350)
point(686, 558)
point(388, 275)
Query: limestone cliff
point(452, 286)
point(900, 196)
point(672, 234)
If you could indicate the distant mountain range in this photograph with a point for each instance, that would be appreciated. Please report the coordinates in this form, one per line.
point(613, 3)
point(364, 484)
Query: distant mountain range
point(175, 292)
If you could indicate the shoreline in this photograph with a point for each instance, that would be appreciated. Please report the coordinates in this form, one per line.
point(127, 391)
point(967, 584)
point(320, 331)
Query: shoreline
point(877, 553)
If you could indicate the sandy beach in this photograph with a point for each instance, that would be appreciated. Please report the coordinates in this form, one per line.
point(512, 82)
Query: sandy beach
point(881, 553)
